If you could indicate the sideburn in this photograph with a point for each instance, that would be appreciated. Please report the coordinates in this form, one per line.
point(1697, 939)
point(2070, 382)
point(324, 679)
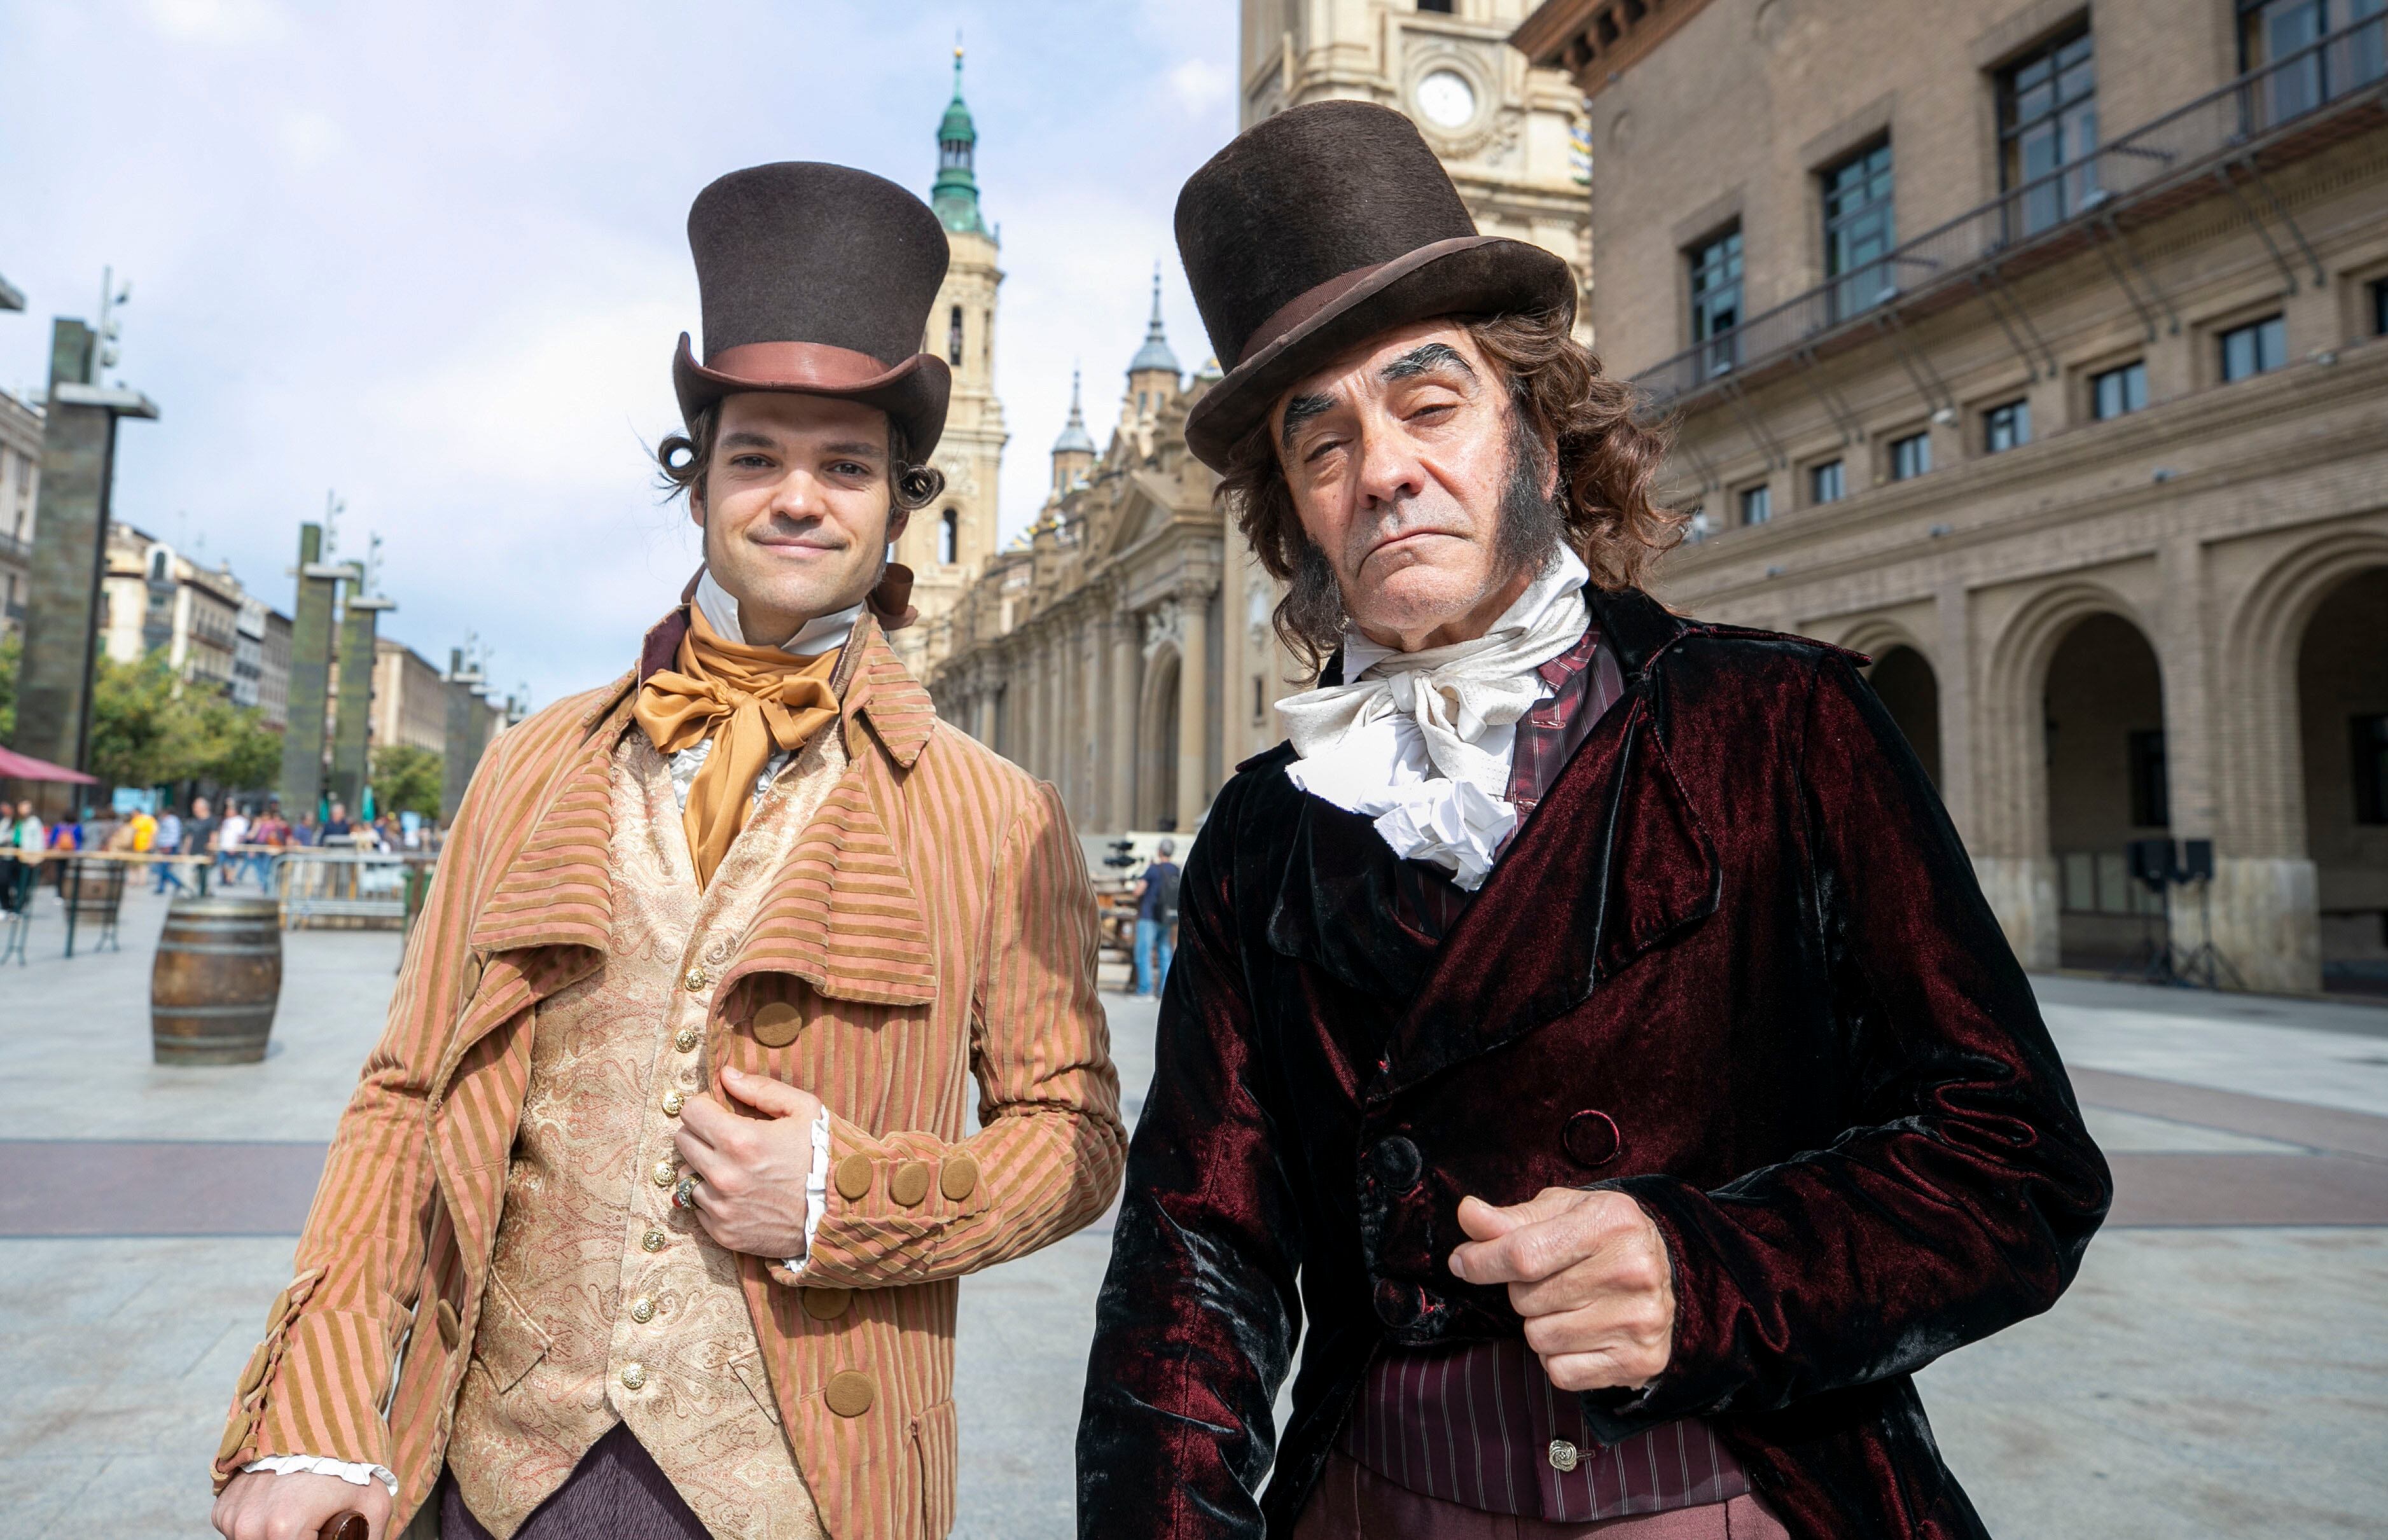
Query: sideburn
point(1532, 524)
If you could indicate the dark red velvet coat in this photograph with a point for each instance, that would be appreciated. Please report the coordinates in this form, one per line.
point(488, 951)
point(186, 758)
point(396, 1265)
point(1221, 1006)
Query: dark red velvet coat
point(1742, 928)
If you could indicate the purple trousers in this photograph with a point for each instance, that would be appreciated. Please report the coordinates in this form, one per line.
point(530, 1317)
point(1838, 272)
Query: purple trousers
point(1353, 1502)
point(617, 1492)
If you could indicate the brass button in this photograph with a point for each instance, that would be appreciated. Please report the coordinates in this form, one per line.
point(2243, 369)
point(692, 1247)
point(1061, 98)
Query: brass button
point(665, 1172)
point(850, 1394)
point(633, 1376)
point(910, 1183)
point(827, 1304)
point(854, 1177)
point(673, 1103)
point(1563, 1455)
point(959, 1178)
point(654, 1239)
point(643, 1309)
point(687, 1038)
point(776, 1024)
point(697, 978)
point(449, 1327)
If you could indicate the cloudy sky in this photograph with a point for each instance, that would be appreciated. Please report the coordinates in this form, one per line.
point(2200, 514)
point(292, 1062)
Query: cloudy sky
point(432, 256)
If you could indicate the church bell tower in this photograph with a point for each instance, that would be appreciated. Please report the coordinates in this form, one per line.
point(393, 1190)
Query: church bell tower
point(949, 541)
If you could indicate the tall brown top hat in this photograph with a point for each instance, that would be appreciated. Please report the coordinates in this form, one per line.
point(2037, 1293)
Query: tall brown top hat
point(817, 279)
point(1319, 228)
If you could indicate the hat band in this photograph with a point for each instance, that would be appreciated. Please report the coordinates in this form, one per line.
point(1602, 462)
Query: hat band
point(797, 365)
point(1289, 316)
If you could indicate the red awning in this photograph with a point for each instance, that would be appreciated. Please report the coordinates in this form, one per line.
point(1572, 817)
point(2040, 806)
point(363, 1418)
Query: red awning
point(24, 767)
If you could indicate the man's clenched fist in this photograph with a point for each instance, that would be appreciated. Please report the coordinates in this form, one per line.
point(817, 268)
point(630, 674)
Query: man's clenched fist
point(1589, 1272)
point(750, 1195)
point(259, 1505)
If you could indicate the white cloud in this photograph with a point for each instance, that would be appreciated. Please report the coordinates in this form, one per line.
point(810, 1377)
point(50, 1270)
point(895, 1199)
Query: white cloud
point(218, 20)
point(1201, 84)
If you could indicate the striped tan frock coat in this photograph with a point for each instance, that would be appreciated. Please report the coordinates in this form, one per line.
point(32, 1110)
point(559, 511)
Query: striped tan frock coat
point(932, 923)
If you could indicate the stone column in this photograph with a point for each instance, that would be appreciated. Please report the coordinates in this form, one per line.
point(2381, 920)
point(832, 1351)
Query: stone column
point(467, 735)
point(350, 727)
point(1121, 746)
point(1193, 702)
point(61, 645)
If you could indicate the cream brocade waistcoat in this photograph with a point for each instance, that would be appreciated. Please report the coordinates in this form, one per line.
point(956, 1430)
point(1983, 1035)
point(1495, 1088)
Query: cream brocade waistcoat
point(606, 1304)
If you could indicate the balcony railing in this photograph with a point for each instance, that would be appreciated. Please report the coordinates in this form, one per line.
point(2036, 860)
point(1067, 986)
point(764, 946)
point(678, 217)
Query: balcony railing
point(15, 549)
point(2057, 211)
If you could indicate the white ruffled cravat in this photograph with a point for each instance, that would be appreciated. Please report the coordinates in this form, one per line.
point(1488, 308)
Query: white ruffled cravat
point(1422, 741)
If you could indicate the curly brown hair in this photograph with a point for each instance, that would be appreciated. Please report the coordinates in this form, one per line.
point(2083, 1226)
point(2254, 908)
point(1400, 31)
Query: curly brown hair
point(1607, 461)
point(683, 458)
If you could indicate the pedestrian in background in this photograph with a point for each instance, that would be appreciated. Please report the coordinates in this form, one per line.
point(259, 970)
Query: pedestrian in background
point(199, 833)
point(229, 837)
point(167, 844)
point(24, 838)
point(1156, 920)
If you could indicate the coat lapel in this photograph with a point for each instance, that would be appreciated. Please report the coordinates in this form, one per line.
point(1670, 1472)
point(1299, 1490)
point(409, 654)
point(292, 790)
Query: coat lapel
point(843, 915)
point(1614, 860)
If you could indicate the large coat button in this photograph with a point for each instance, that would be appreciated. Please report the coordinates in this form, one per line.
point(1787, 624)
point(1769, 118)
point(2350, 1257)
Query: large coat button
point(1398, 1163)
point(1592, 1140)
point(1397, 1304)
point(850, 1393)
point(776, 1024)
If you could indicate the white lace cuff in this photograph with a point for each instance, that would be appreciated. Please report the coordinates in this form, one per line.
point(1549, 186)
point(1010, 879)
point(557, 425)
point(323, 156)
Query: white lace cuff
point(816, 1189)
point(316, 1464)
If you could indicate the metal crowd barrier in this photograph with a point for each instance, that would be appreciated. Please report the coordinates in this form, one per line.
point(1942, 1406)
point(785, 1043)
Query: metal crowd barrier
point(343, 885)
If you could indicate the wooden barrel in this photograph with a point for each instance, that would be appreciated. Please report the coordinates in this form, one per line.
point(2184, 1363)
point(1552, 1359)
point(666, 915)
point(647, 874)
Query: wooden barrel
point(218, 974)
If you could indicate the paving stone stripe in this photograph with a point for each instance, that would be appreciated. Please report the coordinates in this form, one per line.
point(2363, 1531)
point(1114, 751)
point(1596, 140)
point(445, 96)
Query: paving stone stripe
point(2316, 1128)
point(125, 1188)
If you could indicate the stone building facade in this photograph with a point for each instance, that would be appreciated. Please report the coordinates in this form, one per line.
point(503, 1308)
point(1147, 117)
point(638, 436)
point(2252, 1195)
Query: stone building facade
point(1122, 649)
point(410, 699)
point(2035, 349)
point(948, 543)
point(20, 476)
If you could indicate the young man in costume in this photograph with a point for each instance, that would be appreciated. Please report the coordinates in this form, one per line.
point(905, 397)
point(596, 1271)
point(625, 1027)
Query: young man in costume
point(1587, 1033)
point(647, 1216)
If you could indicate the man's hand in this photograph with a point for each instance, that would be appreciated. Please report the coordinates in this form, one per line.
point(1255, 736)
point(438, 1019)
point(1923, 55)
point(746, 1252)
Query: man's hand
point(259, 1505)
point(751, 1194)
point(1589, 1272)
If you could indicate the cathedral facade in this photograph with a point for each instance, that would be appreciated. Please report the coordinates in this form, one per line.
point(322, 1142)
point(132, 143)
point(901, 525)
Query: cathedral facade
point(1122, 648)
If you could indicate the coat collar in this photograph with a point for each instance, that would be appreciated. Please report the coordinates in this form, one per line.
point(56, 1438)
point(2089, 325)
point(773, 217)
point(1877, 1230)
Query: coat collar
point(555, 898)
point(1612, 861)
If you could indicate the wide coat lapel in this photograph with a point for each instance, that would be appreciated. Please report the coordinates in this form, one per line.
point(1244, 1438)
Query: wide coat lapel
point(1613, 860)
point(843, 914)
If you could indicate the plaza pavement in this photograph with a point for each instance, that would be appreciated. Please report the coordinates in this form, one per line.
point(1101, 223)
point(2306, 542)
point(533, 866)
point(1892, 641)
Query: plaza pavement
point(2220, 1369)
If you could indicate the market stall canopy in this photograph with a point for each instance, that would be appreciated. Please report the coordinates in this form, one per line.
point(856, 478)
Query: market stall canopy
point(24, 767)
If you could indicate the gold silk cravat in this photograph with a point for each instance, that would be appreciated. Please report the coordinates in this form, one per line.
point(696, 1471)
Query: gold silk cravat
point(750, 701)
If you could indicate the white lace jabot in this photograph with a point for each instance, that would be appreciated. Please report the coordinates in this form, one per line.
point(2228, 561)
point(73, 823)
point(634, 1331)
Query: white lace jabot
point(1422, 743)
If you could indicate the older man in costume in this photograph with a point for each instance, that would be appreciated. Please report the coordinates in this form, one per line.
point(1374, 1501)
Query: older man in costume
point(1587, 1033)
point(647, 1216)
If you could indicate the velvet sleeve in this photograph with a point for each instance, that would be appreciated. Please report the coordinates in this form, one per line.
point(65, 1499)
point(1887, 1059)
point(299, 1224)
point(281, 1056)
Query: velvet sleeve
point(1195, 1324)
point(1960, 1200)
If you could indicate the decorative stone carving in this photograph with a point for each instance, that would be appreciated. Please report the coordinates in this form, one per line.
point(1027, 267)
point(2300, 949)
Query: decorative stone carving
point(1161, 623)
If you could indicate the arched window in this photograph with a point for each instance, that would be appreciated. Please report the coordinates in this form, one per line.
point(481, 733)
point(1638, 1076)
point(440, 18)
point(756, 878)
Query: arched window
point(949, 538)
point(954, 338)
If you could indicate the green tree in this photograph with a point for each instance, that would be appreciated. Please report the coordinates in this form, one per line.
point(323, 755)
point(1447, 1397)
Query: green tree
point(149, 728)
point(12, 652)
point(406, 779)
point(136, 722)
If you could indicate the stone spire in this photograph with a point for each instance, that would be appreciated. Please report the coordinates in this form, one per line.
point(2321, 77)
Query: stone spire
point(955, 194)
point(1074, 439)
point(1155, 353)
point(1074, 452)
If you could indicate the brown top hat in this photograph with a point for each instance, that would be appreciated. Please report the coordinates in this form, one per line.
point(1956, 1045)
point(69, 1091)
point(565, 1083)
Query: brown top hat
point(817, 279)
point(1320, 227)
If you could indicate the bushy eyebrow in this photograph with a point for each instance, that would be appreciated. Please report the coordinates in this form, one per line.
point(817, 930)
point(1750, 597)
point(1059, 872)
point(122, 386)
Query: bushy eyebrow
point(1425, 357)
point(1298, 411)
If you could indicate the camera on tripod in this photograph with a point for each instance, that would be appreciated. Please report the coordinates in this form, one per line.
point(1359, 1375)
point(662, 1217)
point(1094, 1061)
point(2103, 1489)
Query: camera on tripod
point(2160, 864)
point(1122, 855)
